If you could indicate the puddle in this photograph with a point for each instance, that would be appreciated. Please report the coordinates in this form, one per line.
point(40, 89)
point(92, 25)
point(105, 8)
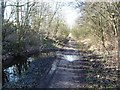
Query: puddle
point(11, 74)
point(30, 59)
point(71, 58)
point(14, 72)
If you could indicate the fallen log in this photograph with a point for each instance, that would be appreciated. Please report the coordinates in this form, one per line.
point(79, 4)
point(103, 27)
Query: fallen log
point(11, 58)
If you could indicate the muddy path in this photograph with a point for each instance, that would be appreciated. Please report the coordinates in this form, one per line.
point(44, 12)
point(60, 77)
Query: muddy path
point(70, 68)
point(74, 70)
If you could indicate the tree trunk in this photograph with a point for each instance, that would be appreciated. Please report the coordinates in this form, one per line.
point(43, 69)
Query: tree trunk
point(118, 49)
point(18, 26)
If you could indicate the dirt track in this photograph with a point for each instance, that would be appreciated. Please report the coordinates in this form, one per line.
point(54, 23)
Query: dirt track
point(70, 69)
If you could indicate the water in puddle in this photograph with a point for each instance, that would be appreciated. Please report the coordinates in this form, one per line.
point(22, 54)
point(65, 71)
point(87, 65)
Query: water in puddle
point(71, 58)
point(13, 73)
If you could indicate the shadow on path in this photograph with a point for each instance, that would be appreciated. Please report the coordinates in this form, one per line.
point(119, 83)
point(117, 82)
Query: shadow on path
point(78, 69)
point(70, 69)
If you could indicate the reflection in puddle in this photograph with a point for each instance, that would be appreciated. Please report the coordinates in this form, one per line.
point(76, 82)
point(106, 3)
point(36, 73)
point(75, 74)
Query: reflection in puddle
point(71, 58)
point(14, 72)
point(30, 59)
